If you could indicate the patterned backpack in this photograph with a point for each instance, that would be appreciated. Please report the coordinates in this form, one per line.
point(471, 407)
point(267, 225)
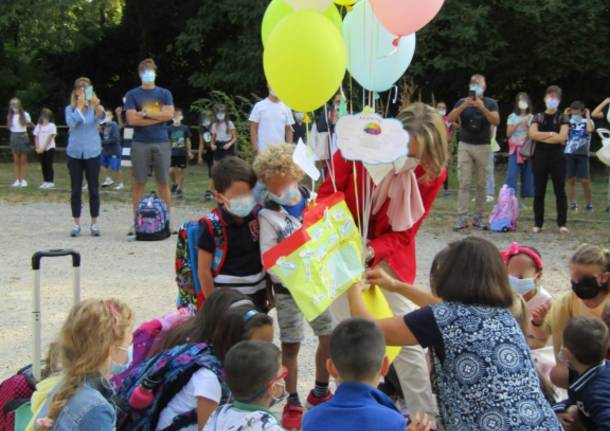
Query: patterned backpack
point(189, 290)
point(148, 389)
point(152, 219)
point(505, 215)
point(14, 392)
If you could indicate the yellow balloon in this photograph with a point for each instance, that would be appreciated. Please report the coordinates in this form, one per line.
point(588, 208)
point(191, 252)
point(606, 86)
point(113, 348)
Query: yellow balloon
point(305, 60)
point(345, 2)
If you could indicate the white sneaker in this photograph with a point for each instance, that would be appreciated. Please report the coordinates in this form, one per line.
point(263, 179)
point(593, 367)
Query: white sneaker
point(107, 182)
point(24, 183)
point(16, 184)
point(119, 186)
point(43, 186)
point(490, 199)
point(50, 186)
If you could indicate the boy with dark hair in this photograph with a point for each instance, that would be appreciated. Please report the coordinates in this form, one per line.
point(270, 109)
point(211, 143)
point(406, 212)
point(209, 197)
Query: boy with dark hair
point(357, 361)
point(255, 377)
point(585, 342)
point(577, 152)
point(229, 252)
point(180, 139)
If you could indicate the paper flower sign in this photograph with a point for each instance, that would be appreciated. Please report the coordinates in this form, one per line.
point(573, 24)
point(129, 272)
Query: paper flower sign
point(371, 139)
point(321, 260)
point(305, 159)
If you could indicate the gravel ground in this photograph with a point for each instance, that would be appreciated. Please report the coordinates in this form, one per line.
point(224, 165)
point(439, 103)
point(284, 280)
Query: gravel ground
point(142, 273)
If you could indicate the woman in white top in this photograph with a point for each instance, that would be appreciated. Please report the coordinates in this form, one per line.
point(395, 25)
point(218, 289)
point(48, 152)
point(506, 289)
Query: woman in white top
point(224, 135)
point(44, 137)
point(18, 120)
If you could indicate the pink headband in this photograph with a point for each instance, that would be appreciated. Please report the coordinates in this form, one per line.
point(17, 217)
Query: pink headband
point(516, 249)
point(115, 314)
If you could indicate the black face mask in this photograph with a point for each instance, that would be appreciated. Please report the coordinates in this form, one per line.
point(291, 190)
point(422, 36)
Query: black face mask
point(586, 288)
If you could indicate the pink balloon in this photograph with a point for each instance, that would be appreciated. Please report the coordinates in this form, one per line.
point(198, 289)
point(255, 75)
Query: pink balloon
point(403, 17)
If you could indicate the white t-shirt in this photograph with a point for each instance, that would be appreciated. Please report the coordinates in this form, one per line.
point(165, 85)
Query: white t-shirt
point(272, 119)
point(203, 384)
point(542, 297)
point(43, 131)
point(233, 418)
point(222, 134)
point(16, 126)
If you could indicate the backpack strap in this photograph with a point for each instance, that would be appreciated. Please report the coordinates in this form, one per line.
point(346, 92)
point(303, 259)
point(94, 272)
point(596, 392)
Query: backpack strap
point(218, 230)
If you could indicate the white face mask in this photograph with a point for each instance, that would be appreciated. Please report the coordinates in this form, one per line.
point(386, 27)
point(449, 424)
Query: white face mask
point(441, 112)
point(299, 116)
point(551, 103)
point(148, 76)
point(177, 121)
point(523, 105)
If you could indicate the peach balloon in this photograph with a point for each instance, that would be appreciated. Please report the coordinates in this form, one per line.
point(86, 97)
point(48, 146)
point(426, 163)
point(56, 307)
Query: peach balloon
point(403, 17)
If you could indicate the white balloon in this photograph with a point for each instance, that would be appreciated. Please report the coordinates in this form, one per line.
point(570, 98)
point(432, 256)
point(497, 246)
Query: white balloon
point(318, 5)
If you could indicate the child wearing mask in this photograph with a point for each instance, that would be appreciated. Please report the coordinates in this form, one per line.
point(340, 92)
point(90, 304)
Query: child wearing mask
point(590, 279)
point(577, 153)
point(300, 128)
point(44, 136)
point(111, 152)
point(180, 138)
point(224, 135)
point(204, 152)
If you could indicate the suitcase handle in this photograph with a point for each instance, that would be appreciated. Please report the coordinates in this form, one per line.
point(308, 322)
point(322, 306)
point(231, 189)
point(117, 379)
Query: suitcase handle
point(36, 310)
point(37, 257)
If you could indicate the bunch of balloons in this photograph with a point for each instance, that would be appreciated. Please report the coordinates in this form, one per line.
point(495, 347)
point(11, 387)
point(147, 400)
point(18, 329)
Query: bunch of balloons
point(308, 47)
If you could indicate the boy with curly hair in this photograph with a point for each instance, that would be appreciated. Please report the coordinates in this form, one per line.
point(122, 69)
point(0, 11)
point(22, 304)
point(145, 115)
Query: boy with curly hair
point(281, 216)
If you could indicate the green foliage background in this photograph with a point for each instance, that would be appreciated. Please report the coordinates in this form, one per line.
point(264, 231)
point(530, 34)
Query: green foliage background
point(203, 46)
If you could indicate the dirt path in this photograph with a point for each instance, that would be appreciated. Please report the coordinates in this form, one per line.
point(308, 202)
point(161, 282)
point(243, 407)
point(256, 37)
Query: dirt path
point(142, 273)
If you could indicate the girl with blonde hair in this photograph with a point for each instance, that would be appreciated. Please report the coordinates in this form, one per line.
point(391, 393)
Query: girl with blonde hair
point(18, 120)
point(401, 202)
point(95, 337)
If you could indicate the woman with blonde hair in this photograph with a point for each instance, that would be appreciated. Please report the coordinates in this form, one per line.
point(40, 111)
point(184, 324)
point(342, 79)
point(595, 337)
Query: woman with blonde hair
point(83, 115)
point(94, 338)
point(400, 204)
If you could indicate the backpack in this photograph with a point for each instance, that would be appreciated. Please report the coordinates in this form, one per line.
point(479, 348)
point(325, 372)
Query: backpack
point(189, 289)
point(152, 219)
point(148, 337)
point(148, 388)
point(14, 393)
point(505, 215)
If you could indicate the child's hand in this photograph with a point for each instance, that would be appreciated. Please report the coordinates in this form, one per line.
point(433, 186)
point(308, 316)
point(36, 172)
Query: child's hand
point(420, 423)
point(539, 314)
point(200, 160)
point(226, 146)
point(382, 279)
point(213, 147)
point(567, 422)
point(191, 157)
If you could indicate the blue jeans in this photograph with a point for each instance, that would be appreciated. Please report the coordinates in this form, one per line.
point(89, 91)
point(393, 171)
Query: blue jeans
point(491, 175)
point(524, 170)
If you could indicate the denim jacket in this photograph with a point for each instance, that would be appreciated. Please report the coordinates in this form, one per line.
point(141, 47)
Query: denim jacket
point(84, 141)
point(89, 409)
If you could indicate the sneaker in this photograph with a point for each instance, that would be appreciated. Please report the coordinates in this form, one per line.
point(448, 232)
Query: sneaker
point(75, 231)
point(43, 186)
point(107, 182)
point(119, 186)
point(573, 207)
point(174, 188)
point(23, 183)
point(16, 184)
point(50, 186)
point(589, 208)
point(490, 199)
point(95, 231)
point(536, 229)
point(179, 194)
point(461, 224)
point(564, 229)
point(313, 401)
point(292, 416)
point(478, 223)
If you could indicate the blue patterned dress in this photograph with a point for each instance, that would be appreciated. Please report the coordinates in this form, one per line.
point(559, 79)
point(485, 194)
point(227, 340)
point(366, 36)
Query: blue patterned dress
point(483, 373)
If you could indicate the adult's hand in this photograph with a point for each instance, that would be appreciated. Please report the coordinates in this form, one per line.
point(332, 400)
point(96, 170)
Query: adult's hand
point(382, 279)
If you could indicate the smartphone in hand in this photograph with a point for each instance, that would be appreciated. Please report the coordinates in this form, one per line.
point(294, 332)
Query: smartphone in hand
point(89, 92)
point(472, 94)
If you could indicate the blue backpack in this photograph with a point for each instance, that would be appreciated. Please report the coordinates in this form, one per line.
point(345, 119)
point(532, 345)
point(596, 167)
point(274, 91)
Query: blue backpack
point(152, 219)
point(161, 378)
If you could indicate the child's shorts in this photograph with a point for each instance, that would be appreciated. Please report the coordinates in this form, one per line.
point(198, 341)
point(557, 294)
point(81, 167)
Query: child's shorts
point(112, 162)
point(179, 162)
point(291, 319)
point(577, 166)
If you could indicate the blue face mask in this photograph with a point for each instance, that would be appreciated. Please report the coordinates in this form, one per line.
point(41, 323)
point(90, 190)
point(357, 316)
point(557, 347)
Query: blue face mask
point(288, 196)
point(577, 117)
point(478, 90)
point(521, 285)
point(220, 116)
point(551, 103)
point(242, 206)
point(148, 76)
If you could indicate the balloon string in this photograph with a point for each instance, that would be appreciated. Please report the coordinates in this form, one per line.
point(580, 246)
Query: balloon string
point(395, 88)
point(354, 174)
point(328, 143)
point(313, 182)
